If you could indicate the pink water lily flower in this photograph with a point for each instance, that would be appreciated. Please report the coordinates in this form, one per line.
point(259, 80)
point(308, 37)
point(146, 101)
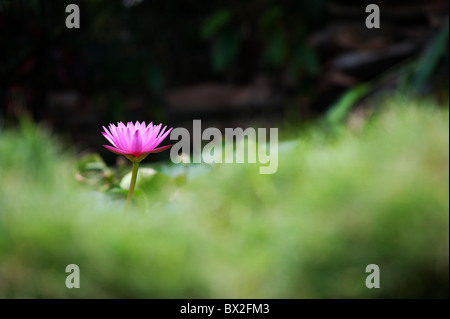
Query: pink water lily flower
point(135, 141)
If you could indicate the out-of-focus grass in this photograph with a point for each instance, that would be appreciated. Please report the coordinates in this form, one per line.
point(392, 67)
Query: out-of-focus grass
point(378, 196)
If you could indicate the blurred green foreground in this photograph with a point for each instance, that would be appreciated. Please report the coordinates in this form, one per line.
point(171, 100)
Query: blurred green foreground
point(338, 202)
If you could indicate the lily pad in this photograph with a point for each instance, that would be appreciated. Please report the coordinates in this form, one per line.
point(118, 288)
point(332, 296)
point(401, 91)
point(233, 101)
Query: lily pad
point(144, 174)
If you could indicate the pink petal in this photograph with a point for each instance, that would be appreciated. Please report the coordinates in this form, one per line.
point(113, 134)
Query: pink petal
point(136, 144)
point(146, 136)
point(161, 138)
point(116, 135)
point(151, 136)
point(109, 138)
point(115, 150)
point(162, 131)
point(127, 139)
point(155, 134)
point(165, 135)
point(122, 142)
point(156, 129)
point(120, 139)
point(106, 130)
point(160, 149)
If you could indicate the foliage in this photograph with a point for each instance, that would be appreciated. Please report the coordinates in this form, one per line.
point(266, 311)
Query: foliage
point(337, 203)
point(148, 48)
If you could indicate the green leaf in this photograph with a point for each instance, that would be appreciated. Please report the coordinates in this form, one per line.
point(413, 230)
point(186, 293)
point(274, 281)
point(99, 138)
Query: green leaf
point(270, 17)
point(216, 22)
point(339, 111)
point(276, 48)
point(304, 58)
point(155, 80)
point(431, 58)
point(144, 174)
point(153, 184)
point(91, 162)
point(225, 50)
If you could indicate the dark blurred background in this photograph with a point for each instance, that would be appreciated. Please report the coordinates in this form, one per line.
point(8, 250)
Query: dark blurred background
point(229, 63)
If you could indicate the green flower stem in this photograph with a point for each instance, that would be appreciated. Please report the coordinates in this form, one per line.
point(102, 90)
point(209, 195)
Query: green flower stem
point(132, 183)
